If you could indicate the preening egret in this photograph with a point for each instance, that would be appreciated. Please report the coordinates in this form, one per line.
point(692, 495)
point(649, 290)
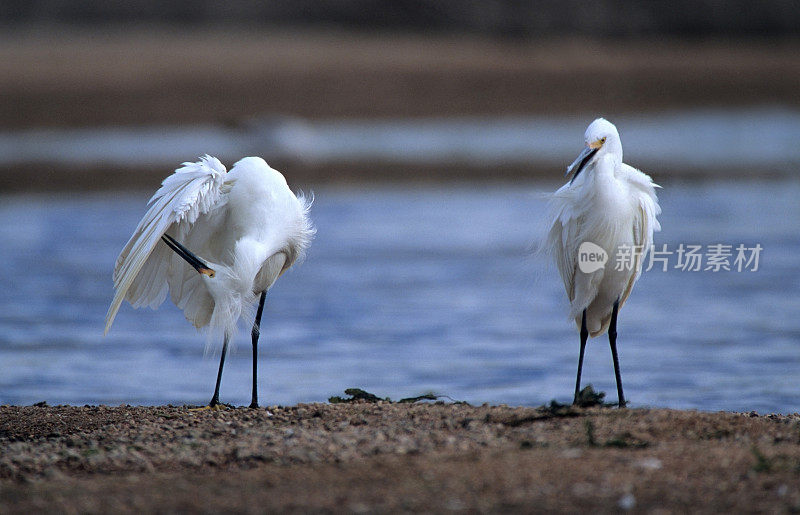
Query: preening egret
point(238, 231)
point(610, 205)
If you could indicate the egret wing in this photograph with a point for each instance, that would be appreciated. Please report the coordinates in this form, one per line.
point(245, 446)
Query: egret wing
point(142, 267)
point(569, 229)
point(566, 216)
point(643, 193)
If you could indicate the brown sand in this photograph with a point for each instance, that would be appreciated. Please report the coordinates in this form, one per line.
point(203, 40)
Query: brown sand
point(395, 457)
point(102, 78)
point(88, 79)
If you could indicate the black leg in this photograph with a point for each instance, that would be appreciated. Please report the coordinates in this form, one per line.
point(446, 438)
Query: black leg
point(254, 334)
point(584, 336)
point(612, 340)
point(215, 398)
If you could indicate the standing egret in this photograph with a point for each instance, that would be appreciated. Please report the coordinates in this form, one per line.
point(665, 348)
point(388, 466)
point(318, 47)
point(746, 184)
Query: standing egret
point(244, 228)
point(602, 227)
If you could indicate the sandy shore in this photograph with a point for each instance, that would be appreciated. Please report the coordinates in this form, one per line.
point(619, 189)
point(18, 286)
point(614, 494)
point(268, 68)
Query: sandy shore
point(108, 78)
point(395, 457)
point(122, 77)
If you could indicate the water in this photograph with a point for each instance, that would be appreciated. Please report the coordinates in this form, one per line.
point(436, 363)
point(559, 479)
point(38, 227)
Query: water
point(407, 290)
point(713, 139)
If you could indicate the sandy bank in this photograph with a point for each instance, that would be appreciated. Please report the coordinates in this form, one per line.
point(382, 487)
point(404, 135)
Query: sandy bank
point(229, 78)
point(391, 457)
point(125, 77)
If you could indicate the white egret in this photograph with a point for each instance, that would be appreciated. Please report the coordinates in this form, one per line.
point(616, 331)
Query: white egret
point(244, 228)
point(602, 227)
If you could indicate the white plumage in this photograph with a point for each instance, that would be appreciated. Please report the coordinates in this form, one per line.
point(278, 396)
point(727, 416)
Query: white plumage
point(246, 225)
point(609, 204)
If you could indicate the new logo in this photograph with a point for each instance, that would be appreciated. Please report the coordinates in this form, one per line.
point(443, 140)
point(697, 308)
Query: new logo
point(591, 257)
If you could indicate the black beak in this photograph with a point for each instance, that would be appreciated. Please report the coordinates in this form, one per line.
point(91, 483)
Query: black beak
point(581, 161)
point(187, 254)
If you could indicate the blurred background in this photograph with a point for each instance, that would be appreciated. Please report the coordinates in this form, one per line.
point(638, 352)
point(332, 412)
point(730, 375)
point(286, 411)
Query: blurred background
point(430, 133)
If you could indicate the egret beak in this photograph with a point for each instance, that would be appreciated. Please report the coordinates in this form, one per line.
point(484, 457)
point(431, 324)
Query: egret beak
point(187, 254)
point(583, 158)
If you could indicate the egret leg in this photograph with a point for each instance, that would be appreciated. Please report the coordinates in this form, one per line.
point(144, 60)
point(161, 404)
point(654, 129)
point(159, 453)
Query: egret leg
point(612, 340)
point(215, 398)
point(255, 334)
point(584, 336)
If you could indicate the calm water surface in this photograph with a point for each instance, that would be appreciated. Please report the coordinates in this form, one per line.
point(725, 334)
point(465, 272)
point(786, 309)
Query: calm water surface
point(407, 290)
point(757, 137)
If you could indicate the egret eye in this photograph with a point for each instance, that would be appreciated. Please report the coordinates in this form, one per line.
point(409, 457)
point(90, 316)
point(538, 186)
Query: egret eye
point(603, 139)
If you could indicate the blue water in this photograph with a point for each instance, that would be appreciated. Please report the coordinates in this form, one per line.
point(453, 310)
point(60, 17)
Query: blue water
point(729, 139)
point(409, 289)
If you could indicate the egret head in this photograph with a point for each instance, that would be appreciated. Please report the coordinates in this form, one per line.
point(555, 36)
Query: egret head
point(601, 139)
